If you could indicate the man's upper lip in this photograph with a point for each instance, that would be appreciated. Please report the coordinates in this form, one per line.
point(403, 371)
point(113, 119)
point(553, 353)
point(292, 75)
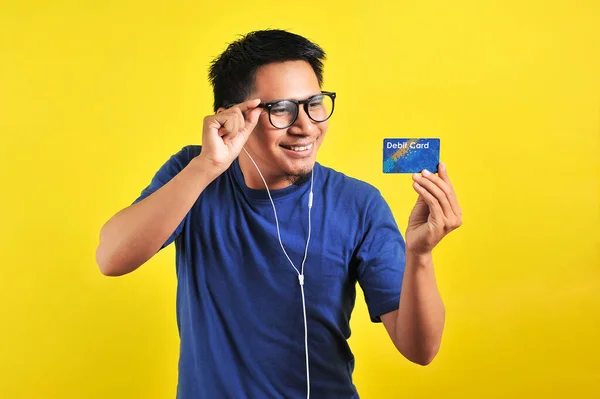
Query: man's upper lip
point(297, 145)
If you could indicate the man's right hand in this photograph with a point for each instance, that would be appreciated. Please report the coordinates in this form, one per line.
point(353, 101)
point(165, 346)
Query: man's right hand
point(225, 133)
point(135, 234)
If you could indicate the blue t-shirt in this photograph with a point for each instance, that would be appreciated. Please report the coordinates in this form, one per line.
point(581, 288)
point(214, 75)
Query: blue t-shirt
point(239, 305)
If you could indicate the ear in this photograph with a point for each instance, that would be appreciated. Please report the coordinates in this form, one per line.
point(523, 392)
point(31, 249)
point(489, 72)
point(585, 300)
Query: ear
point(226, 107)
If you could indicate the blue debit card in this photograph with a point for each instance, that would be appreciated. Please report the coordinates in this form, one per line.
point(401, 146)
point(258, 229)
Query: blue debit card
point(410, 155)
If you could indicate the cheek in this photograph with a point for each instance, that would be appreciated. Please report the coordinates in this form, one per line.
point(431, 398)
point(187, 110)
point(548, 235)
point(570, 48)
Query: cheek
point(266, 137)
point(323, 129)
point(260, 132)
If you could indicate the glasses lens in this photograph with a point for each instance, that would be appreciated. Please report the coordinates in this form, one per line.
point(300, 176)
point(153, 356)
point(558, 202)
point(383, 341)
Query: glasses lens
point(283, 113)
point(320, 108)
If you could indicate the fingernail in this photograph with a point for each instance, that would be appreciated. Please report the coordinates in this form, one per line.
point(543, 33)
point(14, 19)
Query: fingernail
point(442, 166)
point(426, 172)
point(416, 175)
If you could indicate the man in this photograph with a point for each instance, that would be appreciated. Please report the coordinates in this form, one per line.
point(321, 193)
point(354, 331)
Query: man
point(270, 244)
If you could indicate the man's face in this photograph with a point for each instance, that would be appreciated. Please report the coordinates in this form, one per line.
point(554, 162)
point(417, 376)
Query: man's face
point(278, 152)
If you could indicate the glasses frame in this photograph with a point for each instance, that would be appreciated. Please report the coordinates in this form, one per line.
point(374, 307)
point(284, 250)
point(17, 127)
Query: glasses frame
point(268, 106)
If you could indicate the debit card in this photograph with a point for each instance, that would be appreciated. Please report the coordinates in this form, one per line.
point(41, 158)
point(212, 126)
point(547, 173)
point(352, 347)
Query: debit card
point(410, 155)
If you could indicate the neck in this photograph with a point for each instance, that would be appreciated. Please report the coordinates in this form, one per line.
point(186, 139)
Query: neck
point(252, 177)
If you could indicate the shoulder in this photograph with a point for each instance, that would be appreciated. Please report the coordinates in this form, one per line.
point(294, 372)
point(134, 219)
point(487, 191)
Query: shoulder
point(186, 154)
point(180, 159)
point(176, 163)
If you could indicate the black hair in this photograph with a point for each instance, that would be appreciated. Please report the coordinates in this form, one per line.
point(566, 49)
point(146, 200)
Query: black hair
point(232, 73)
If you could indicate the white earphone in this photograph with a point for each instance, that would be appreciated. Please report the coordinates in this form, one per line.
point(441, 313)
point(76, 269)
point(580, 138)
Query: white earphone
point(301, 271)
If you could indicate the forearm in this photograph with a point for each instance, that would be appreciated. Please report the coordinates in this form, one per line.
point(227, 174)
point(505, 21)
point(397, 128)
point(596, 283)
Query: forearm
point(136, 233)
point(421, 313)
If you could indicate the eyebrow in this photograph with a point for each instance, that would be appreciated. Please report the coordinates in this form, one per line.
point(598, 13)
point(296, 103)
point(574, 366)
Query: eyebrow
point(291, 99)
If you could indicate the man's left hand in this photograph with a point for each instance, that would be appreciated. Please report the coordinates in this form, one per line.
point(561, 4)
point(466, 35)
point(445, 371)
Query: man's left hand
point(435, 214)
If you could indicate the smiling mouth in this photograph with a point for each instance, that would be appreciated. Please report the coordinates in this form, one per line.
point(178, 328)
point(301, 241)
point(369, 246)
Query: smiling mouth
point(298, 148)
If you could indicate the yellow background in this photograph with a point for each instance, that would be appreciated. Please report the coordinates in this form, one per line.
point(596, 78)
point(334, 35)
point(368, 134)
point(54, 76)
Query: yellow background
point(95, 96)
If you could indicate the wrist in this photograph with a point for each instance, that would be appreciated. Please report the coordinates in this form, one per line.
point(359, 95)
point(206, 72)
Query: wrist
point(206, 167)
point(419, 259)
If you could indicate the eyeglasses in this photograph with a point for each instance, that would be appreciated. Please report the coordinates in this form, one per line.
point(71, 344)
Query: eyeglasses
point(283, 114)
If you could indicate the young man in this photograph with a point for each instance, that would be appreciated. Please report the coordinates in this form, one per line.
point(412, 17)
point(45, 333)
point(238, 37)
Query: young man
point(270, 244)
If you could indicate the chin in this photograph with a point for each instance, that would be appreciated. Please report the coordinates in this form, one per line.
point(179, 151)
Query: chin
point(299, 168)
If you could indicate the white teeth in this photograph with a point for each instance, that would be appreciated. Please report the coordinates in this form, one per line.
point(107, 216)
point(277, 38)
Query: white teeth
point(308, 147)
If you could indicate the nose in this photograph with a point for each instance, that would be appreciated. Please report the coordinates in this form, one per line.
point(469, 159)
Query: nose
point(303, 125)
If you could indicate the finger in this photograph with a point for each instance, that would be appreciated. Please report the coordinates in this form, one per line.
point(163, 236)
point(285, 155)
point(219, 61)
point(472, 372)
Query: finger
point(236, 117)
point(248, 105)
point(435, 179)
point(443, 174)
point(446, 188)
point(228, 126)
point(242, 136)
point(235, 122)
point(435, 209)
point(240, 119)
point(427, 181)
point(252, 119)
point(222, 117)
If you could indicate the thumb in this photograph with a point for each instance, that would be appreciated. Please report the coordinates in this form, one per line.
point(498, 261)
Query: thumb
point(251, 121)
point(251, 118)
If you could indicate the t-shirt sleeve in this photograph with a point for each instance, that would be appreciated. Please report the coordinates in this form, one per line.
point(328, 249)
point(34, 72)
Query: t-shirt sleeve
point(381, 259)
point(167, 171)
